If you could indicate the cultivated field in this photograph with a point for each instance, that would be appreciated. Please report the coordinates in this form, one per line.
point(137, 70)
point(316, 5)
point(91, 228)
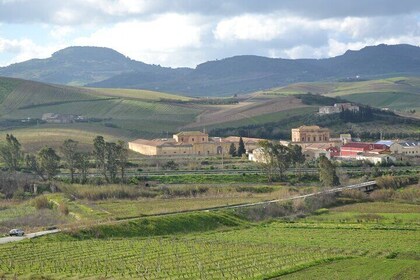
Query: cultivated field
point(400, 93)
point(236, 250)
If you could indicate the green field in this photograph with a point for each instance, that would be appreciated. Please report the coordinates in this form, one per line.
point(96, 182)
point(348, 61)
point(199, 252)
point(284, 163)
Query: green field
point(399, 93)
point(147, 95)
point(346, 242)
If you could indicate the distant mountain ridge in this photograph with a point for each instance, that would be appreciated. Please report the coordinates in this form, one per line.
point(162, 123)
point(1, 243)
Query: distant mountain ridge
point(103, 67)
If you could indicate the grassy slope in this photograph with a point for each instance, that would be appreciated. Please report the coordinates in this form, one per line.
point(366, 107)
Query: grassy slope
point(399, 93)
point(133, 113)
point(137, 94)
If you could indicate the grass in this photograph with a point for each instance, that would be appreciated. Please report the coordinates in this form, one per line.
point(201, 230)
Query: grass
point(393, 100)
point(138, 94)
point(267, 118)
point(250, 252)
point(383, 213)
point(400, 93)
point(218, 245)
point(360, 268)
point(33, 139)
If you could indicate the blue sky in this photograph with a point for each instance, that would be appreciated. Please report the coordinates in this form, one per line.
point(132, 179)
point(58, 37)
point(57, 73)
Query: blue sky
point(185, 33)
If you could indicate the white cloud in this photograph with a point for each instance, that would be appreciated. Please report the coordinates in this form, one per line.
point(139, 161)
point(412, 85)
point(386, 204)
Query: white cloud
point(248, 27)
point(23, 49)
point(60, 32)
point(156, 41)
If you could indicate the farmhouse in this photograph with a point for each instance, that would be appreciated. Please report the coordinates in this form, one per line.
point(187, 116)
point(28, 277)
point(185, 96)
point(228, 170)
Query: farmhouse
point(60, 118)
point(337, 108)
point(189, 143)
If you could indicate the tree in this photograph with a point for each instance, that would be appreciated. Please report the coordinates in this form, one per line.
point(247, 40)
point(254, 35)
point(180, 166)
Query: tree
point(283, 158)
point(99, 153)
point(32, 164)
point(48, 162)
point(111, 161)
point(268, 162)
point(241, 147)
point(69, 150)
point(82, 164)
point(232, 150)
point(296, 156)
point(11, 153)
point(276, 158)
point(327, 173)
point(122, 154)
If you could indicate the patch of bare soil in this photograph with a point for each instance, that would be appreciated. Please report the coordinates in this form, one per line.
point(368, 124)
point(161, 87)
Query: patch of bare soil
point(248, 108)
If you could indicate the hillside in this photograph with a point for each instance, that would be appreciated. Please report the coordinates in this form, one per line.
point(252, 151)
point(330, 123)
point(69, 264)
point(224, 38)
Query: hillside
point(102, 67)
point(115, 113)
point(78, 66)
point(399, 93)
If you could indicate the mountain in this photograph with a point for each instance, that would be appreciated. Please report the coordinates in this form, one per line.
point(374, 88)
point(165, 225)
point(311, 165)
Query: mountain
point(101, 67)
point(78, 66)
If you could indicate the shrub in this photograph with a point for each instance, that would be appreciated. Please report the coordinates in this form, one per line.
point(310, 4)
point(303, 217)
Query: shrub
point(382, 195)
point(321, 211)
point(354, 194)
point(63, 208)
point(41, 202)
point(393, 182)
point(262, 189)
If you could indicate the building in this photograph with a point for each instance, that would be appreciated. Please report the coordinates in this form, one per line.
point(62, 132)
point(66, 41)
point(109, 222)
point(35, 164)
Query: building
point(409, 148)
point(307, 134)
point(352, 150)
point(189, 143)
point(376, 159)
point(337, 108)
point(58, 118)
point(315, 150)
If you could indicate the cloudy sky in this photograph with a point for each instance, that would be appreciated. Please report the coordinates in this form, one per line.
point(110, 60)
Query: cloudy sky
point(187, 32)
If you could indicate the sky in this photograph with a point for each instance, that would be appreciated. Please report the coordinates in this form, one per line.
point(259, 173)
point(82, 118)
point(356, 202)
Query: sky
point(184, 33)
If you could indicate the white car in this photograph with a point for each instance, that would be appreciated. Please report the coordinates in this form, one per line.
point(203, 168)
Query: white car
point(16, 232)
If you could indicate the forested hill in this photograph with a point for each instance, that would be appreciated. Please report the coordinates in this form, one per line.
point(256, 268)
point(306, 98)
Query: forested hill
point(101, 67)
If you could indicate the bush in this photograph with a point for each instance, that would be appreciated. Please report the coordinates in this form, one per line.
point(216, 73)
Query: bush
point(394, 182)
point(382, 195)
point(262, 189)
point(321, 211)
point(354, 194)
point(63, 208)
point(41, 202)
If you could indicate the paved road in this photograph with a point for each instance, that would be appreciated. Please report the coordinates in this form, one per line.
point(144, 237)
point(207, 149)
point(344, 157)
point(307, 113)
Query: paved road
point(8, 239)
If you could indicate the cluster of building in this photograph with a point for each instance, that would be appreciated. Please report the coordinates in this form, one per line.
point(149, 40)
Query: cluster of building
point(190, 143)
point(61, 118)
point(337, 108)
point(314, 140)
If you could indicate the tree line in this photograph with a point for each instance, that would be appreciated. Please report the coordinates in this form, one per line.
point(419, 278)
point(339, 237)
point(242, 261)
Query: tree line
point(109, 158)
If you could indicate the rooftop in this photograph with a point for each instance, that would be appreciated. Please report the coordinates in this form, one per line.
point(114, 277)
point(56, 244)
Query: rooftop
point(190, 133)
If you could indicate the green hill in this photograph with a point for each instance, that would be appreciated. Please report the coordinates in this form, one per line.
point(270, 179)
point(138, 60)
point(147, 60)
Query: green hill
point(129, 113)
point(400, 93)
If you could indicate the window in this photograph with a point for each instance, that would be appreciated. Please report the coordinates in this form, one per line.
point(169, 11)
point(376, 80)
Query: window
point(303, 139)
point(192, 139)
point(203, 139)
point(314, 139)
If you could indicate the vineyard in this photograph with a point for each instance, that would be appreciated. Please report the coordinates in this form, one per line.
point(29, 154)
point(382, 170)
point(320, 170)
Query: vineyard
point(257, 252)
